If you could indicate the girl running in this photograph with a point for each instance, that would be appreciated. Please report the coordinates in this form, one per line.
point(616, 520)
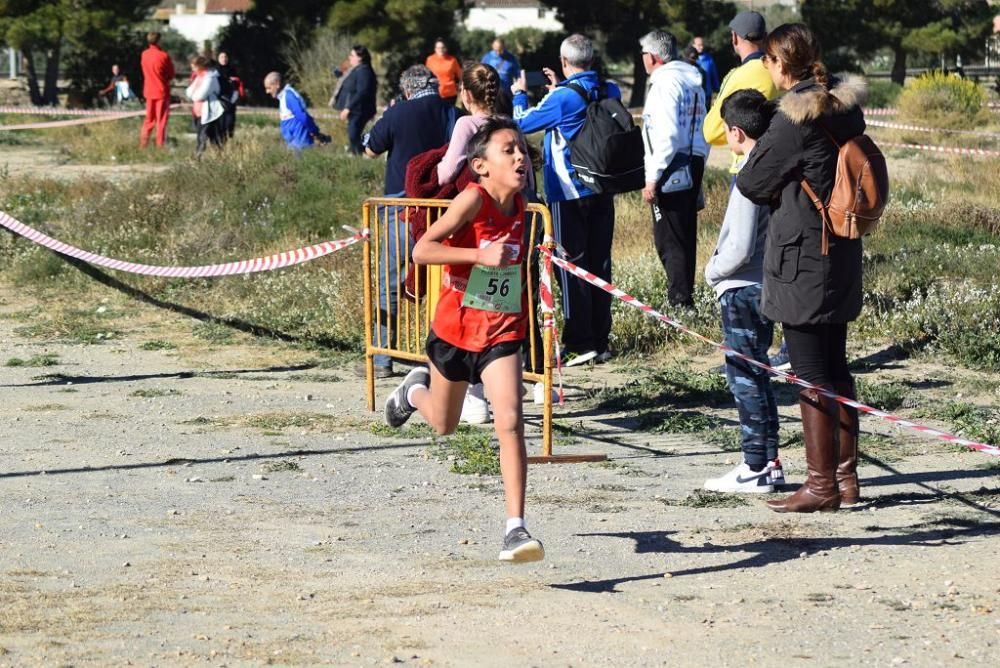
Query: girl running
point(481, 318)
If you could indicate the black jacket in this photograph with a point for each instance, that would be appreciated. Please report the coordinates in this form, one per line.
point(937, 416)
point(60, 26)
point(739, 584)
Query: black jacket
point(801, 285)
point(357, 92)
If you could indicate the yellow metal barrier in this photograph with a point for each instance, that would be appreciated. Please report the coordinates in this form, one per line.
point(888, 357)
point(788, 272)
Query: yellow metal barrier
point(397, 325)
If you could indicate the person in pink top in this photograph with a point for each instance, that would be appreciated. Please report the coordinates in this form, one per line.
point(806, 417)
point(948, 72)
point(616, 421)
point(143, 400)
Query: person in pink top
point(480, 88)
point(157, 73)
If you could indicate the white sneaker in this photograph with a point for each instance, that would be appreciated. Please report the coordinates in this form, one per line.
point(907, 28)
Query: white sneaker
point(475, 410)
point(742, 480)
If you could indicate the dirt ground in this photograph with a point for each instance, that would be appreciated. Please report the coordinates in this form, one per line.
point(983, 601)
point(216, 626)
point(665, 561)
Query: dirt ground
point(167, 501)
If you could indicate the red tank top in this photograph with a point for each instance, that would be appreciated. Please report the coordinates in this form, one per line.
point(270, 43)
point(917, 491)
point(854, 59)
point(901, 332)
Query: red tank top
point(476, 329)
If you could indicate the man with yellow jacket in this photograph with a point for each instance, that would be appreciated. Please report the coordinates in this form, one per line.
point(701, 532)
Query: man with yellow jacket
point(748, 35)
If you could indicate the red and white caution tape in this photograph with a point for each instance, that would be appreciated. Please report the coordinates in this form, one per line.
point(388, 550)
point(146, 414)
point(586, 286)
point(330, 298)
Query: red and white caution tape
point(881, 112)
point(792, 378)
point(44, 125)
point(920, 128)
point(59, 111)
point(268, 263)
point(944, 149)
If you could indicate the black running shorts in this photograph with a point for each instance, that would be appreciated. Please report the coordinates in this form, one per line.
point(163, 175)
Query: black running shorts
point(458, 365)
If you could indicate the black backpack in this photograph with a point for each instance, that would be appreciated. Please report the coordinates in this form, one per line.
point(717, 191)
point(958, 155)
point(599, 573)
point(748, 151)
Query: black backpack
point(607, 153)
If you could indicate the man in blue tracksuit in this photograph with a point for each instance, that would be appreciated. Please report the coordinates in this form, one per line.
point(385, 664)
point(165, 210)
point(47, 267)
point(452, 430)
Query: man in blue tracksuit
point(297, 126)
point(584, 221)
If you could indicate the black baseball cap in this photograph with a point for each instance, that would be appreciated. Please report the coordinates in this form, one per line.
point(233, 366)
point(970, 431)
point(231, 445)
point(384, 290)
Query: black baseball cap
point(749, 25)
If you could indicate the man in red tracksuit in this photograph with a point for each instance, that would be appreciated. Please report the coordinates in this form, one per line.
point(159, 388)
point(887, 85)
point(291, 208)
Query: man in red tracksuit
point(157, 72)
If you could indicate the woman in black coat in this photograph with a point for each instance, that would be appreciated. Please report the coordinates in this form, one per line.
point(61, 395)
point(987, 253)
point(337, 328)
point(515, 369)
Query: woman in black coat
point(356, 96)
point(814, 294)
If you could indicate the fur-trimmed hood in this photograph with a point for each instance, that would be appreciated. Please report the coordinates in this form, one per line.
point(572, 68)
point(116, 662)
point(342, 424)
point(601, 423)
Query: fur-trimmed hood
point(813, 101)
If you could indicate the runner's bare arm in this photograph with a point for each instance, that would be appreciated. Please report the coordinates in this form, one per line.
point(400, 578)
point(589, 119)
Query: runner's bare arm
point(430, 250)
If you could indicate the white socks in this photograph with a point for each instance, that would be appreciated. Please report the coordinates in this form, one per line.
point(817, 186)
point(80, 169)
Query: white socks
point(514, 523)
point(410, 390)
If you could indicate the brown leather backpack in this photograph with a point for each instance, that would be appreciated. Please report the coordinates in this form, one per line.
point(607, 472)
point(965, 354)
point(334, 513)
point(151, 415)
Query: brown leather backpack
point(860, 191)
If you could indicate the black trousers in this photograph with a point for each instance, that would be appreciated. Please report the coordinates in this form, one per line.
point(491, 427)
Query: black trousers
point(209, 132)
point(355, 132)
point(585, 228)
point(818, 353)
point(675, 234)
point(228, 122)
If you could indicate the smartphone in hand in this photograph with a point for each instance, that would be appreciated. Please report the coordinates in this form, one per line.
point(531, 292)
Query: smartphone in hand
point(536, 79)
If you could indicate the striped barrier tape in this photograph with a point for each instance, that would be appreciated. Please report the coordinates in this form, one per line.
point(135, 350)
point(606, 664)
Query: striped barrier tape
point(943, 149)
point(43, 125)
point(648, 310)
point(268, 263)
point(881, 112)
point(919, 128)
point(59, 111)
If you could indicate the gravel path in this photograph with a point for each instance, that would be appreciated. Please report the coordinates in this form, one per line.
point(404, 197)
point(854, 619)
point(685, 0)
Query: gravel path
point(230, 505)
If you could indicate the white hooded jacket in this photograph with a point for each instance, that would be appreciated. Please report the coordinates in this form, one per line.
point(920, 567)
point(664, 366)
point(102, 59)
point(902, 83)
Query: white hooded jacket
point(675, 95)
point(205, 89)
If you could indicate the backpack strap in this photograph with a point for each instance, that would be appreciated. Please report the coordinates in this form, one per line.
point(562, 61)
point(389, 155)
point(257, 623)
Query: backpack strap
point(824, 216)
point(580, 90)
point(818, 203)
point(602, 91)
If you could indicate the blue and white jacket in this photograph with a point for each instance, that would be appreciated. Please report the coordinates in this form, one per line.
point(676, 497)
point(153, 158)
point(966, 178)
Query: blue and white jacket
point(297, 126)
point(561, 114)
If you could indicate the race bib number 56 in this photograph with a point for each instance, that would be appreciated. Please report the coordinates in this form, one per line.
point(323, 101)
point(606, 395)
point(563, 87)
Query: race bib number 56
point(496, 289)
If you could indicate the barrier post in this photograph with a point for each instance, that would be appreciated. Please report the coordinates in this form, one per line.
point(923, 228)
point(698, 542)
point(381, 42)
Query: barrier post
point(547, 457)
point(367, 278)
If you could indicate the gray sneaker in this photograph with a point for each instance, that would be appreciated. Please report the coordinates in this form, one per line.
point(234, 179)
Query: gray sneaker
point(519, 547)
point(397, 409)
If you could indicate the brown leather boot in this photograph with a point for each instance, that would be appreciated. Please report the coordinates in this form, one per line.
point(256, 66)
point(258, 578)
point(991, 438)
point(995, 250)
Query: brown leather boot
point(847, 434)
point(819, 491)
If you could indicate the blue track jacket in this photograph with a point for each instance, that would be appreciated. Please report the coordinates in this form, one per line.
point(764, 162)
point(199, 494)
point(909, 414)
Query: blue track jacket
point(297, 126)
point(561, 114)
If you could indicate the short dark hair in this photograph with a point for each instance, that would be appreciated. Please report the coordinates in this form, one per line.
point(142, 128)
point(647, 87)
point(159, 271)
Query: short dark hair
point(152, 37)
point(476, 148)
point(749, 111)
point(363, 53)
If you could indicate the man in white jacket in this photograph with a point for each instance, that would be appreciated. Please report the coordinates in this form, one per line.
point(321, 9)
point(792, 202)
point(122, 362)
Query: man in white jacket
point(672, 128)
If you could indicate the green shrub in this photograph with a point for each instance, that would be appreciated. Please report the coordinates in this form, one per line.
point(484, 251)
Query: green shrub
point(944, 100)
point(882, 94)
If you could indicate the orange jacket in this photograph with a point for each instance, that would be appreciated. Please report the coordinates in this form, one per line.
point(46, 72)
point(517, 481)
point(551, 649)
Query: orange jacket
point(448, 73)
point(157, 73)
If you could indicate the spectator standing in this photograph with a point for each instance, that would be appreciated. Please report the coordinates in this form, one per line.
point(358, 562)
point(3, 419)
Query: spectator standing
point(297, 127)
point(672, 127)
point(707, 64)
point(422, 121)
point(735, 272)
point(814, 294)
point(356, 96)
point(584, 221)
point(231, 96)
point(157, 73)
point(447, 70)
point(207, 107)
point(748, 33)
point(504, 62)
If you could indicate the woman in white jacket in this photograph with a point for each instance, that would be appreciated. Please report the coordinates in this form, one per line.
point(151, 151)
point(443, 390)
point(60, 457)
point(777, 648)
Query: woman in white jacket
point(672, 129)
point(204, 93)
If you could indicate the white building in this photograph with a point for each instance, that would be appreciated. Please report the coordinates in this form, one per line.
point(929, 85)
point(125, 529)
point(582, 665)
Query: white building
point(502, 16)
point(199, 20)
